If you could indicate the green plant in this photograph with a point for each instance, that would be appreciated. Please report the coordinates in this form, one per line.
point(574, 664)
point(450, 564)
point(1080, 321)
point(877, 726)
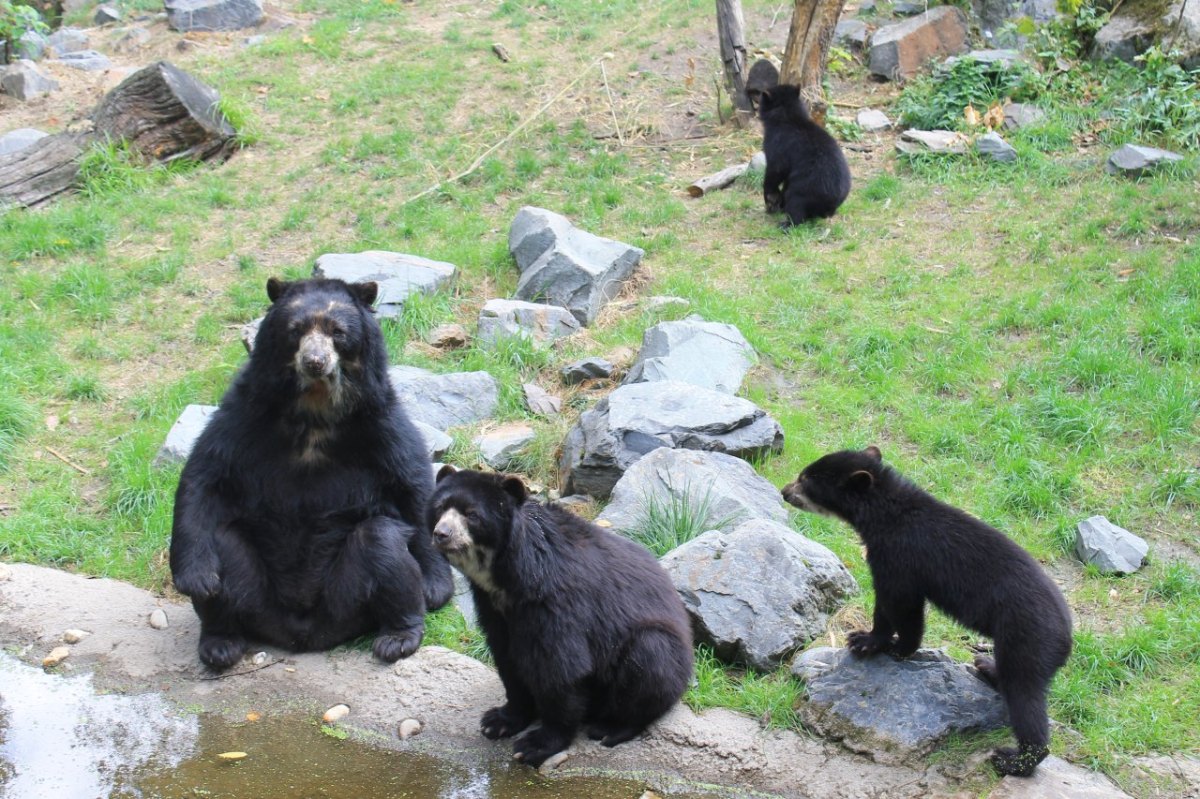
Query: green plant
point(667, 522)
point(17, 19)
point(937, 101)
point(1164, 102)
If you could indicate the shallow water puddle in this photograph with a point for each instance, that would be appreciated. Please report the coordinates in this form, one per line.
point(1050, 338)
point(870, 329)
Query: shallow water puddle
point(59, 738)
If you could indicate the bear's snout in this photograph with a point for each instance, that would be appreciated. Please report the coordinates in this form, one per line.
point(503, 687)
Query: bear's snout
point(451, 533)
point(316, 357)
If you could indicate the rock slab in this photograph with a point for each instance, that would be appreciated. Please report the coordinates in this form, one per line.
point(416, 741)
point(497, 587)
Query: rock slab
point(872, 120)
point(759, 592)
point(1111, 549)
point(443, 401)
point(894, 709)
point(942, 142)
point(563, 265)
point(86, 60)
point(586, 369)
point(1055, 778)
point(541, 324)
point(900, 51)
point(500, 445)
point(437, 443)
point(640, 418)
point(710, 355)
point(183, 434)
point(24, 81)
point(1135, 160)
point(1022, 115)
point(398, 275)
point(19, 139)
point(66, 40)
point(991, 145)
point(213, 15)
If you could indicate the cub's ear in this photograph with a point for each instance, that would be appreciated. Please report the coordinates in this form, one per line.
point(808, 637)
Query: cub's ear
point(445, 471)
point(366, 293)
point(860, 480)
point(515, 486)
point(874, 452)
point(276, 288)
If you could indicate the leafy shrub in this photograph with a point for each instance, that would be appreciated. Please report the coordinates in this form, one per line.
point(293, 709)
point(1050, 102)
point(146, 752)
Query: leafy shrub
point(17, 19)
point(1164, 101)
point(937, 101)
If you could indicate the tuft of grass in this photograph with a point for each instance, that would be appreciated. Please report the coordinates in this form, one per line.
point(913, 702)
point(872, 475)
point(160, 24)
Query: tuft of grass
point(665, 523)
point(771, 698)
point(16, 420)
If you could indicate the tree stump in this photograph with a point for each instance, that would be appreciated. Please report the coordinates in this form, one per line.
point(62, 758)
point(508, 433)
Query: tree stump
point(43, 170)
point(732, 35)
point(164, 114)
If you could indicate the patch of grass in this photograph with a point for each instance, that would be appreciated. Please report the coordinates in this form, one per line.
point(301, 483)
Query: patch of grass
point(770, 698)
point(447, 627)
point(16, 419)
point(666, 523)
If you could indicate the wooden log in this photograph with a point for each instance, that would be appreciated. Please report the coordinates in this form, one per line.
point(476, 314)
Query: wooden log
point(165, 114)
point(717, 180)
point(41, 171)
point(807, 51)
point(732, 35)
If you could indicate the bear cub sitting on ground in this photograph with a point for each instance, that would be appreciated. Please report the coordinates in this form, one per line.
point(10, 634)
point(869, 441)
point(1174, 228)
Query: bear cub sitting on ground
point(921, 549)
point(584, 625)
point(807, 174)
point(300, 514)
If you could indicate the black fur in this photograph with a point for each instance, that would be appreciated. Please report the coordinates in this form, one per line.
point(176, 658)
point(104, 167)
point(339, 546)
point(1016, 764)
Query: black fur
point(299, 517)
point(922, 549)
point(763, 75)
point(807, 174)
point(584, 625)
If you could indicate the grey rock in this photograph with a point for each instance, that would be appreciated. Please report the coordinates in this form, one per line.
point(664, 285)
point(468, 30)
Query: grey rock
point(576, 503)
point(446, 400)
point(586, 369)
point(1134, 160)
point(993, 15)
point(1184, 32)
point(31, 45)
point(1022, 115)
point(24, 81)
point(908, 8)
point(992, 145)
point(758, 161)
point(86, 60)
point(934, 141)
point(500, 445)
point(1123, 37)
point(901, 50)
point(894, 709)
point(852, 34)
point(397, 274)
point(464, 600)
point(255, 40)
point(542, 324)
point(562, 265)
point(1055, 778)
point(250, 333)
point(873, 121)
point(706, 354)
point(540, 401)
point(19, 139)
point(106, 15)
point(758, 592)
point(660, 302)
point(66, 40)
point(183, 434)
point(726, 488)
point(449, 337)
point(437, 443)
point(640, 418)
point(1111, 549)
point(213, 15)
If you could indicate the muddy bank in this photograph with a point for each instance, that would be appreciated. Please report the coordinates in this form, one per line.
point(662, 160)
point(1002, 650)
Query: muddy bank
point(446, 691)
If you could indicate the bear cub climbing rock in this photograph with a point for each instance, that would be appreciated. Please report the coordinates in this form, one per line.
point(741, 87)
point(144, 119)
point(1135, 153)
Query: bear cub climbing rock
point(300, 514)
point(807, 174)
point(919, 549)
point(584, 625)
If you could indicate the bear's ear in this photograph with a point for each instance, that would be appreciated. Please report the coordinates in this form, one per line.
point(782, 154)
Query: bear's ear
point(515, 486)
point(276, 288)
point(874, 452)
point(365, 292)
point(860, 480)
point(445, 471)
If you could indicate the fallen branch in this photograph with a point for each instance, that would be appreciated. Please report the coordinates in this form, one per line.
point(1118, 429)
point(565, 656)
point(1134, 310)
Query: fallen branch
point(717, 180)
point(67, 461)
point(611, 105)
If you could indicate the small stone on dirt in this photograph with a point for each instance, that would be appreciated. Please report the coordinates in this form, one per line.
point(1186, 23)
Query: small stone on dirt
point(541, 401)
point(449, 337)
point(553, 762)
point(259, 658)
point(158, 619)
point(75, 636)
point(335, 714)
point(409, 728)
point(57, 655)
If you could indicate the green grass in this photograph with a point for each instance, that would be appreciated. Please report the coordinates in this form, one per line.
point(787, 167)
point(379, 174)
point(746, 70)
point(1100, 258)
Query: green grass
point(1023, 340)
point(665, 523)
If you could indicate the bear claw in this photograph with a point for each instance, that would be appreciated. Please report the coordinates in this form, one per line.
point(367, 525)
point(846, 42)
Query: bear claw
point(390, 647)
point(501, 722)
point(1018, 762)
point(219, 653)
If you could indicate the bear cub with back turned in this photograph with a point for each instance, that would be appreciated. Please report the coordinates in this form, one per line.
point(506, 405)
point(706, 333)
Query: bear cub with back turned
point(920, 549)
point(300, 514)
point(584, 625)
point(807, 174)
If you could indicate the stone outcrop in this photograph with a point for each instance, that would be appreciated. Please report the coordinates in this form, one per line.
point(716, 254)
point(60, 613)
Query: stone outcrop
point(901, 50)
point(399, 275)
point(445, 400)
point(707, 354)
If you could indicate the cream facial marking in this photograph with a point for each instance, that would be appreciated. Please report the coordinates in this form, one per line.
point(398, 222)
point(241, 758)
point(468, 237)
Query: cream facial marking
point(316, 356)
point(452, 535)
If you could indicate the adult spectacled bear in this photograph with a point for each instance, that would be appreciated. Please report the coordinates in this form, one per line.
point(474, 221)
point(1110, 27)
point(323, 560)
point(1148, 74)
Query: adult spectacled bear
point(299, 516)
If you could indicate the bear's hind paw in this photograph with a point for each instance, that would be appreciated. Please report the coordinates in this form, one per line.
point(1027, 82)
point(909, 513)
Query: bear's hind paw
point(390, 647)
point(219, 653)
point(1018, 762)
point(538, 746)
point(502, 722)
point(865, 644)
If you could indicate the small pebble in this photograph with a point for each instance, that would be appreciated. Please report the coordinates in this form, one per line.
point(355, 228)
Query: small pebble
point(409, 728)
point(336, 713)
point(57, 655)
point(552, 762)
point(231, 755)
point(253, 715)
point(289, 669)
point(158, 619)
point(448, 337)
point(259, 658)
point(75, 636)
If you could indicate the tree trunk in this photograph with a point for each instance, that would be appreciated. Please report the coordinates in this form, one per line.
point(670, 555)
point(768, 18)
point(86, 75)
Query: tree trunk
point(731, 31)
point(164, 114)
point(813, 22)
point(43, 170)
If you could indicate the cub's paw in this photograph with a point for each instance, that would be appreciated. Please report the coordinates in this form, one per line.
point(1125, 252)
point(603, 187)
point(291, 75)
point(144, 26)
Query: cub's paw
point(390, 647)
point(501, 722)
point(1018, 762)
point(534, 749)
point(864, 644)
point(610, 735)
point(986, 667)
point(220, 652)
point(198, 583)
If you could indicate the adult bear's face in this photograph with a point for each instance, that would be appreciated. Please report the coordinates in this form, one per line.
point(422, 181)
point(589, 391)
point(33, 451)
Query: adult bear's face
point(471, 515)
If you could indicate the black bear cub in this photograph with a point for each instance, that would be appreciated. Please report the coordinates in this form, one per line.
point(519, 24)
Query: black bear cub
point(300, 514)
point(584, 625)
point(807, 174)
point(763, 75)
point(919, 549)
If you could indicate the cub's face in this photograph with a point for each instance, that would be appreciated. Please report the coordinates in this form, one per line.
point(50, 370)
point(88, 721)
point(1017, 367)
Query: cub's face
point(834, 483)
point(471, 515)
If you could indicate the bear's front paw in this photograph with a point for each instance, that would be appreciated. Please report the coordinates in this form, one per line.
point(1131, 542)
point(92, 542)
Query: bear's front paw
point(1018, 762)
point(202, 583)
point(864, 644)
point(534, 749)
point(390, 647)
point(501, 722)
point(220, 652)
point(986, 667)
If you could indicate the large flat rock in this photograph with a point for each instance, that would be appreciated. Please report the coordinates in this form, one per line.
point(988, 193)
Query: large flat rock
point(213, 15)
point(901, 50)
point(445, 400)
point(399, 275)
point(706, 354)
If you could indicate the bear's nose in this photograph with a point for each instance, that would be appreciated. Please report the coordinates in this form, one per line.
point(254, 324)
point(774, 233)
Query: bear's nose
point(441, 534)
point(314, 364)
